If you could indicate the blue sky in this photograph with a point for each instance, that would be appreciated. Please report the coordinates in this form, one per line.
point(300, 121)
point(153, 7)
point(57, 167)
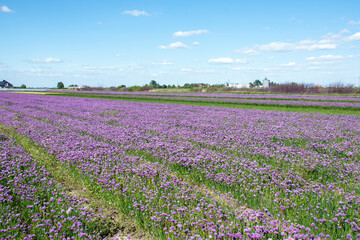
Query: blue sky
point(114, 42)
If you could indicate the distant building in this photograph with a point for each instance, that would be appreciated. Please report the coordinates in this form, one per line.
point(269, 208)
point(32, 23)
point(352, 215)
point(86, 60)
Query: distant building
point(5, 84)
point(237, 85)
point(266, 83)
point(74, 87)
point(318, 86)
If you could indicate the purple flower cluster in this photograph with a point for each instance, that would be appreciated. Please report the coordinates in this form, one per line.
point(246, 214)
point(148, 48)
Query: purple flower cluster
point(194, 172)
point(32, 206)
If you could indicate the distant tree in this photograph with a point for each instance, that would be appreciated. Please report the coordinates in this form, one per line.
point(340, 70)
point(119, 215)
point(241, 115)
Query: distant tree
point(23, 86)
point(154, 84)
point(134, 89)
point(257, 83)
point(217, 85)
point(146, 88)
point(190, 85)
point(60, 85)
point(272, 83)
point(73, 85)
point(122, 86)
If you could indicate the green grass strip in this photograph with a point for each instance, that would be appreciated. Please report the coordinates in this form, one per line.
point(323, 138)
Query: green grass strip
point(151, 95)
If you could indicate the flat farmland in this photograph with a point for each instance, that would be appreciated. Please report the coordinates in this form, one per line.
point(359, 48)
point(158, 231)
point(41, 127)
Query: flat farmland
point(95, 168)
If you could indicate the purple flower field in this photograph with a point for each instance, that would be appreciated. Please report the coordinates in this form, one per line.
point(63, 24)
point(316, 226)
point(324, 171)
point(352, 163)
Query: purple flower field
point(258, 99)
point(237, 95)
point(181, 171)
point(270, 101)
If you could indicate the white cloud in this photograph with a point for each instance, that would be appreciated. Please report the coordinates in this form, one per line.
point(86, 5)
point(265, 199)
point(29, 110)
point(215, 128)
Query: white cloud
point(226, 60)
point(190, 33)
point(41, 73)
point(51, 74)
point(46, 60)
point(6, 9)
point(221, 60)
point(290, 64)
point(245, 68)
point(175, 45)
point(352, 22)
point(196, 43)
point(313, 68)
point(79, 76)
point(328, 59)
point(320, 46)
point(37, 70)
point(135, 13)
point(165, 62)
point(276, 47)
point(305, 45)
point(354, 37)
point(196, 70)
point(241, 61)
point(329, 41)
point(325, 58)
point(334, 37)
point(323, 62)
point(90, 68)
point(248, 51)
point(255, 69)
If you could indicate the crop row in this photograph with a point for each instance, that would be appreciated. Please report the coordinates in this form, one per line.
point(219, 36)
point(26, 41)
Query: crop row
point(33, 206)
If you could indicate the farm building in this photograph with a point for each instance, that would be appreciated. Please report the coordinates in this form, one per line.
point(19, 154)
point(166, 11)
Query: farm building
point(237, 85)
point(5, 84)
point(266, 83)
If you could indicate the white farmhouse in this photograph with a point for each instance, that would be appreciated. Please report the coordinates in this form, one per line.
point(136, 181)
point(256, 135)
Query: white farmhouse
point(237, 85)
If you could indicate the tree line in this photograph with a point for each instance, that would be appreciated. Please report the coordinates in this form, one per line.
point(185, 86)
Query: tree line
point(256, 86)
